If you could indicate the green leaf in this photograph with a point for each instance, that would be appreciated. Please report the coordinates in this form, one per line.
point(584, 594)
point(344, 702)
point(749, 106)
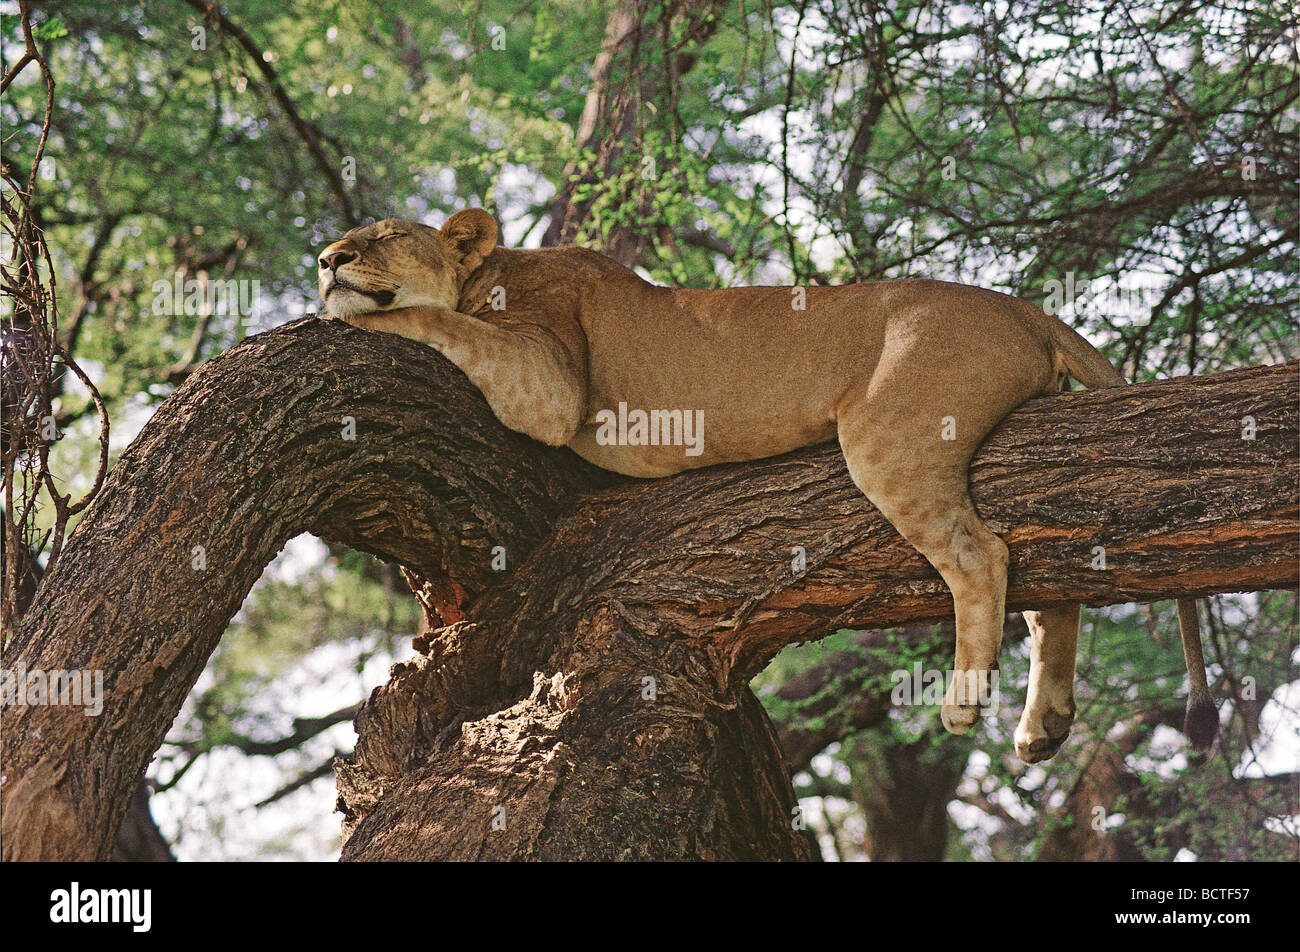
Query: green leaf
point(51, 29)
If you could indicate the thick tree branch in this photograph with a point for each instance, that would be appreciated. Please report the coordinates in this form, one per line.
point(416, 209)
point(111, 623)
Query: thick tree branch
point(252, 450)
point(687, 580)
point(1157, 475)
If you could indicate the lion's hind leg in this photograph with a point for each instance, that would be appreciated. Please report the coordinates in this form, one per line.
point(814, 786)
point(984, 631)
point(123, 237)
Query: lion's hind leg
point(918, 481)
point(1049, 708)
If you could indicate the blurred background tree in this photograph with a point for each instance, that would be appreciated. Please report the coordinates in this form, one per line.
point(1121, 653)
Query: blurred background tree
point(1133, 169)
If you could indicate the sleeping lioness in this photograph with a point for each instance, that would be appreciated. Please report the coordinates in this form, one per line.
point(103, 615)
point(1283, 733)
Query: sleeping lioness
point(575, 350)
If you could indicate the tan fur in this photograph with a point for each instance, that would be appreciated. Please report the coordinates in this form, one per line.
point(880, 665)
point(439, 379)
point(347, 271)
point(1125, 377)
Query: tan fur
point(909, 375)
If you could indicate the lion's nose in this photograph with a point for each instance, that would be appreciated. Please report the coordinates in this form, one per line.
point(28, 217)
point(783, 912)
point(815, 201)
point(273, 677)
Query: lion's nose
point(336, 259)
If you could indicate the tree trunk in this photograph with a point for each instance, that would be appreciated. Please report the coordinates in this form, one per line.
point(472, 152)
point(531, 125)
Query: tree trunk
point(903, 789)
point(633, 85)
point(594, 701)
point(138, 838)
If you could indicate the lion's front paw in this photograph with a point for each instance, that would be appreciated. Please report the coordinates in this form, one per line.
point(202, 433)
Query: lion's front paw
point(959, 718)
point(965, 697)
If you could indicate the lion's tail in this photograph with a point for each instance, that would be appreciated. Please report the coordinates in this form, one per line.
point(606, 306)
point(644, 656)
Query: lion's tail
point(1201, 722)
point(1086, 364)
point(1081, 360)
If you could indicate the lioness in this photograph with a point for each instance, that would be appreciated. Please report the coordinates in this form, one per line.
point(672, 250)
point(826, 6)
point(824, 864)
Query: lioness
point(909, 375)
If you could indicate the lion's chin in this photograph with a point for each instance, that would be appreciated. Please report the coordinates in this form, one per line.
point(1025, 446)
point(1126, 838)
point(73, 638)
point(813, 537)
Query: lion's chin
point(343, 303)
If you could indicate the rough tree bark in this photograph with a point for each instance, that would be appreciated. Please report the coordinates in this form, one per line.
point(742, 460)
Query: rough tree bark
point(593, 701)
point(138, 838)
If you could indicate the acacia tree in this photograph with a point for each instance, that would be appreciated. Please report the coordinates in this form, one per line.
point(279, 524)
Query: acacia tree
point(593, 702)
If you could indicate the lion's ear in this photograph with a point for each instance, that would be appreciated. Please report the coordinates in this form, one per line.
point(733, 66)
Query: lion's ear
point(470, 236)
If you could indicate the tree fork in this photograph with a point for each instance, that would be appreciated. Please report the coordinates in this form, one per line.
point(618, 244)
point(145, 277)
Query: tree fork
point(538, 702)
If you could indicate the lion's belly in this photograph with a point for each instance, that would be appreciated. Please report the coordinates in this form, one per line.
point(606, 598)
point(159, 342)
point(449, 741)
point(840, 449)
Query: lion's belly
point(623, 445)
point(754, 376)
point(758, 377)
point(667, 422)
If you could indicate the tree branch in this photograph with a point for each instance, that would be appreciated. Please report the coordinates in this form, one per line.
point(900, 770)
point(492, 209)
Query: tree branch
point(211, 10)
point(689, 577)
point(304, 729)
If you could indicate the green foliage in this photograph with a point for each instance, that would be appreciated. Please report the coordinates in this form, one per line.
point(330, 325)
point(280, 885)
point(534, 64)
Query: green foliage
point(1130, 688)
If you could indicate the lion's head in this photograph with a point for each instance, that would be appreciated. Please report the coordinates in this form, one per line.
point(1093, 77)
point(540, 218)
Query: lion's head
point(395, 263)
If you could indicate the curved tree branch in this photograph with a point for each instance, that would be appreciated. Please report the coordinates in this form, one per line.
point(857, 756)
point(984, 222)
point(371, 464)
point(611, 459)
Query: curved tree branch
point(252, 450)
point(539, 700)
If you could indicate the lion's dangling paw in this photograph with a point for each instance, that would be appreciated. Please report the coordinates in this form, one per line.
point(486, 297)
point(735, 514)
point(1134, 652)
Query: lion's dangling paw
point(1036, 740)
point(959, 714)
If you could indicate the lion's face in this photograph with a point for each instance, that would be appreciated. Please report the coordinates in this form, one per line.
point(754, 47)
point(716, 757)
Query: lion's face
point(393, 264)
